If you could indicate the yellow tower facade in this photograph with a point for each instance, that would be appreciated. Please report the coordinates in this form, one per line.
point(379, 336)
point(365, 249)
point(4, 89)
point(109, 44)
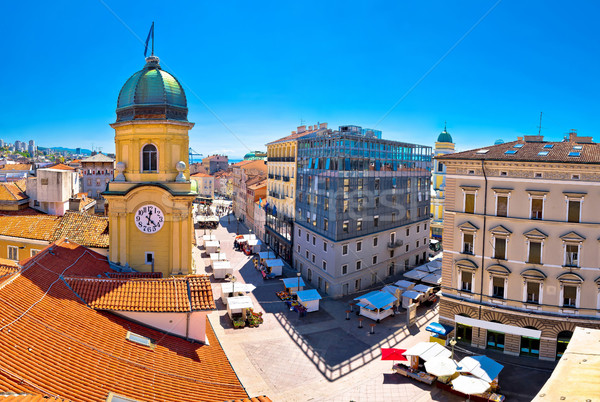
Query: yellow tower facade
point(443, 146)
point(150, 197)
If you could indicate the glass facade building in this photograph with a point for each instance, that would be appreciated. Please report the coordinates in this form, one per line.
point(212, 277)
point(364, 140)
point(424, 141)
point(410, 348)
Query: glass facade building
point(351, 183)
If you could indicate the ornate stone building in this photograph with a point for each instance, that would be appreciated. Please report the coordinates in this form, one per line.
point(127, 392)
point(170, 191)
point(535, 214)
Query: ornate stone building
point(443, 146)
point(521, 257)
point(150, 198)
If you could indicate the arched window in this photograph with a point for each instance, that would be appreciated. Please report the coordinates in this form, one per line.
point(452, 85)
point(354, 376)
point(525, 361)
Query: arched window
point(464, 333)
point(530, 346)
point(149, 158)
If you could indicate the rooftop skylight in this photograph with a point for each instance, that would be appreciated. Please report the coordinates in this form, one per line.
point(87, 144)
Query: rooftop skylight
point(549, 146)
point(511, 152)
point(518, 146)
point(139, 339)
point(575, 154)
point(542, 153)
point(483, 151)
point(578, 147)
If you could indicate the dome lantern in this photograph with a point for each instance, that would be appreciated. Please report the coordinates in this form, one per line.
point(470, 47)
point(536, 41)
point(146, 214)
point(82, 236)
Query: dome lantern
point(444, 136)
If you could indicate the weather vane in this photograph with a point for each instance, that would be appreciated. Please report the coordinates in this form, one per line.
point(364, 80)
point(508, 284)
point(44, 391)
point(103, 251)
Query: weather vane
point(150, 34)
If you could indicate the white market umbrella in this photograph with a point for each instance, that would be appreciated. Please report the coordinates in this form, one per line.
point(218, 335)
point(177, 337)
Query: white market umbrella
point(470, 385)
point(441, 367)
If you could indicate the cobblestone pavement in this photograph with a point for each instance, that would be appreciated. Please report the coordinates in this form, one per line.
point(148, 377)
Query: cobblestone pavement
point(320, 357)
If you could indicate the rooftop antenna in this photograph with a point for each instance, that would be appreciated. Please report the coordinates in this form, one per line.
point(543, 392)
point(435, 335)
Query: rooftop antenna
point(150, 34)
point(445, 126)
point(302, 121)
point(540, 126)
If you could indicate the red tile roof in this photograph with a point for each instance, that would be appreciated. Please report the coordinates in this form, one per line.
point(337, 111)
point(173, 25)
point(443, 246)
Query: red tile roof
point(36, 227)
point(13, 191)
point(7, 270)
point(85, 229)
point(22, 212)
point(51, 343)
point(60, 166)
point(12, 397)
point(528, 151)
point(201, 175)
point(16, 166)
point(261, 398)
point(123, 275)
point(182, 294)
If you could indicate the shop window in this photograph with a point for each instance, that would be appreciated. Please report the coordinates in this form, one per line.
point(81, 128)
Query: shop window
point(464, 333)
point(530, 346)
point(535, 252)
point(562, 341)
point(495, 340)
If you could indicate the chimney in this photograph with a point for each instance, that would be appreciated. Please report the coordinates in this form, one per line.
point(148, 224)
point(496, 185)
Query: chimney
point(301, 129)
point(293, 132)
point(573, 135)
point(323, 125)
point(519, 139)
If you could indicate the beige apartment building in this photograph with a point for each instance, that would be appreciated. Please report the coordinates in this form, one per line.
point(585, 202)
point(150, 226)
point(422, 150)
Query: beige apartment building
point(521, 252)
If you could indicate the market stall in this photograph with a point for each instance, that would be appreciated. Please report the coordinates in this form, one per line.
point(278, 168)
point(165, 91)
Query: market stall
point(440, 333)
point(425, 351)
point(255, 245)
point(434, 279)
point(292, 285)
point(415, 275)
point(404, 284)
point(376, 305)
point(309, 299)
point(481, 367)
point(209, 237)
point(430, 267)
point(441, 367)
point(410, 297)
point(211, 246)
point(237, 306)
point(394, 291)
point(221, 269)
point(274, 267)
point(233, 289)
point(218, 257)
point(427, 292)
point(266, 255)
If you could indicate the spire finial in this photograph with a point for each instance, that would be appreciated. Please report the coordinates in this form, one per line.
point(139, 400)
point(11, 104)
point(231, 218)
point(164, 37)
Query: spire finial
point(445, 126)
point(150, 34)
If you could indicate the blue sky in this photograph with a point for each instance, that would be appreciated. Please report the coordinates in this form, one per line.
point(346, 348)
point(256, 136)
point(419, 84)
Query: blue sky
point(264, 66)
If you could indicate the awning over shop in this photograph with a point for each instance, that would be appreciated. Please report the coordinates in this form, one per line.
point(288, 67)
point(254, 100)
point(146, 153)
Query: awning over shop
point(239, 302)
point(377, 299)
point(433, 279)
point(411, 294)
point(274, 263)
point(422, 288)
point(404, 284)
point(266, 255)
point(229, 287)
point(439, 329)
point(494, 326)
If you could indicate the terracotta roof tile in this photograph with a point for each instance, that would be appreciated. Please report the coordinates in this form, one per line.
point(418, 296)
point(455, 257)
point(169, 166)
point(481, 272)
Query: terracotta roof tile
point(201, 175)
point(13, 191)
point(16, 166)
point(87, 230)
point(145, 294)
point(528, 151)
point(60, 166)
point(12, 397)
point(261, 398)
point(36, 227)
point(7, 270)
point(22, 212)
point(124, 275)
point(58, 346)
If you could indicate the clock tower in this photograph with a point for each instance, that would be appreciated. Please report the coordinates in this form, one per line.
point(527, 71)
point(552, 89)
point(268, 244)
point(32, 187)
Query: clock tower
point(150, 197)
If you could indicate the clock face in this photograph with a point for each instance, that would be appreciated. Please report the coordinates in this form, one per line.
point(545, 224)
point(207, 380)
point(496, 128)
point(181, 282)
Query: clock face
point(149, 219)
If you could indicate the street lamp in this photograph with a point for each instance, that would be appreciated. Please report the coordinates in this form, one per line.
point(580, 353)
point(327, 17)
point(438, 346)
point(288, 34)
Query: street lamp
point(452, 342)
point(298, 289)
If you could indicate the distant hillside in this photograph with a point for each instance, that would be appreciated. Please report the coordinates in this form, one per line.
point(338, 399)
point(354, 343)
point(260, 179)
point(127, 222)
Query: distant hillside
point(62, 149)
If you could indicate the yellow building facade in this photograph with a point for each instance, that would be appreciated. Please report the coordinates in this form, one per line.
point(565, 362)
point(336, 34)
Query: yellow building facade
point(150, 198)
point(443, 146)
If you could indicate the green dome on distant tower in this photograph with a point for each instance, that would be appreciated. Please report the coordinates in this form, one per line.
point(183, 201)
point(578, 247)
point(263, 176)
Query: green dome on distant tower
point(151, 94)
point(444, 136)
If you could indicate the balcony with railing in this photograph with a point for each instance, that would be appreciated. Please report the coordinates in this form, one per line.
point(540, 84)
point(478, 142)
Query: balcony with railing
point(397, 243)
point(286, 178)
point(271, 176)
point(277, 177)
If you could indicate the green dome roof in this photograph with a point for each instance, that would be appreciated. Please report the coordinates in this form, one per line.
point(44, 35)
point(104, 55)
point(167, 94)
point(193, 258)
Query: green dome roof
point(152, 93)
point(444, 137)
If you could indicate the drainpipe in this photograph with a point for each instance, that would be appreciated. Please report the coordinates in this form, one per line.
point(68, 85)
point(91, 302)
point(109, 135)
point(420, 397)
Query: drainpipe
point(485, 192)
